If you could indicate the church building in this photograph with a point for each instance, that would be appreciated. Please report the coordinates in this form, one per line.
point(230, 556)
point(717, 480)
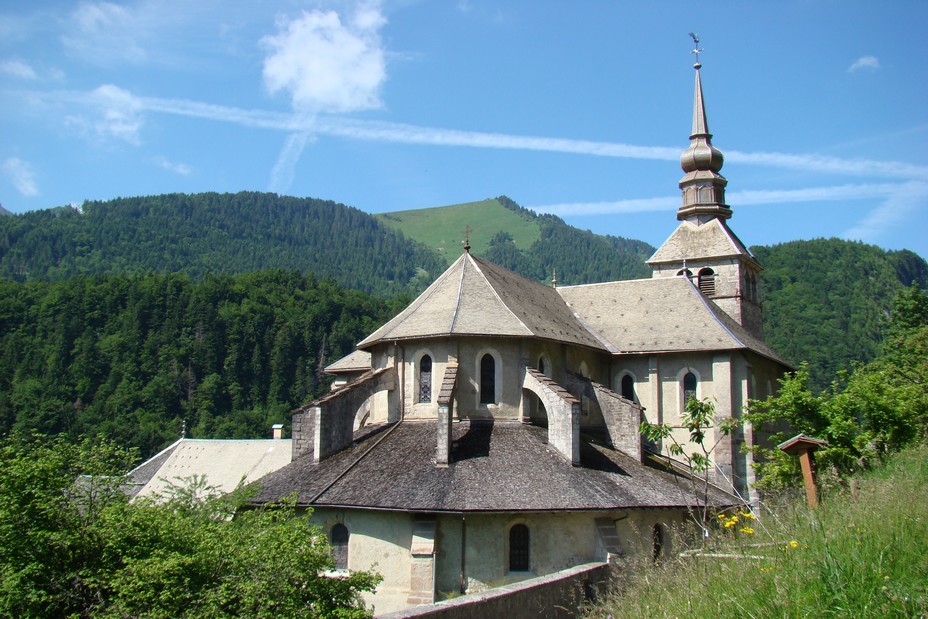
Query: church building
point(490, 431)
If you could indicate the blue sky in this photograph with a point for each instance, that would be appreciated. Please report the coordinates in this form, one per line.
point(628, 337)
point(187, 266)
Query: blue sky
point(577, 108)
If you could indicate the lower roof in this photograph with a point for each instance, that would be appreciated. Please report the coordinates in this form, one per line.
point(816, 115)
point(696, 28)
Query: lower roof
point(496, 467)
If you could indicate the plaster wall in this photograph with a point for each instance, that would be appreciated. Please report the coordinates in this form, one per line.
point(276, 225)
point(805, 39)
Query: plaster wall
point(378, 541)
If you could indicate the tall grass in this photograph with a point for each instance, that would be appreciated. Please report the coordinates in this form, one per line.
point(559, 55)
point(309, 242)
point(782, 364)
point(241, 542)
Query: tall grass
point(863, 556)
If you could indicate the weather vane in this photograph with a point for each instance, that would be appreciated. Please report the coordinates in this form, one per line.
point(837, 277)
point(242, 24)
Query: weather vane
point(467, 239)
point(696, 48)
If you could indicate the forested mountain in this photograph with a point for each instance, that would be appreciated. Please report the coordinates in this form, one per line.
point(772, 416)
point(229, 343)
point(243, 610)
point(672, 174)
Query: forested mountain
point(131, 356)
point(126, 317)
point(214, 233)
point(826, 300)
point(519, 239)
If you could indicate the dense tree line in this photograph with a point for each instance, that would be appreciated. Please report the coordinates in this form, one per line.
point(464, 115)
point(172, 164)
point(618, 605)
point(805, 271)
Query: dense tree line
point(878, 408)
point(214, 233)
point(82, 549)
point(826, 300)
point(133, 357)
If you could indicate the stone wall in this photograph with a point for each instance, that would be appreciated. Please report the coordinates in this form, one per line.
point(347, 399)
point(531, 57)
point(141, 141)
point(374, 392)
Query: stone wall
point(558, 595)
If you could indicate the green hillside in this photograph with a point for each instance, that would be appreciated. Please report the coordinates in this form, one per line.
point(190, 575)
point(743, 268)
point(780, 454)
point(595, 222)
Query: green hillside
point(442, 228)
point(202, 233)
point(519, 239)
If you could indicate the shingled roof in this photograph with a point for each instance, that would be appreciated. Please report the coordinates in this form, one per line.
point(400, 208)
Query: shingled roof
point(713, 238)
point(222, 463)
point(666, 314)
point(495, 467)
point(478, 298)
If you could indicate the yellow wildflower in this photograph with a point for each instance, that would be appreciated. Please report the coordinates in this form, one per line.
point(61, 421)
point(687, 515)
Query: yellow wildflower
point(747, 530)
point(793, 544)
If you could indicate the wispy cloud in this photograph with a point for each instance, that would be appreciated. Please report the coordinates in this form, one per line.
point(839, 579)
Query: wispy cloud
point(172, 166)
point(19, 69)
point(118, 114)
point(894, 211)
point(741, 198)
point(327, 64)
point(282, 174)
point(105, 33)
point(22, 175)
point(869, 63)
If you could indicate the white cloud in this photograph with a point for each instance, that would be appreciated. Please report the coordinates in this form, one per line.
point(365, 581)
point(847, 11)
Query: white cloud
point(117, 113)
point(870, 63)
point(895, 210)
point(178, 168)
point(22, 175)
point(325, 64)
point(105, 33)
point(18, 68)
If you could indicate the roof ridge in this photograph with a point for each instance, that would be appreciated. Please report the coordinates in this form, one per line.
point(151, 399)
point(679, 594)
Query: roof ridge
point(712, 312)
point(457, 303)
point(498, 297)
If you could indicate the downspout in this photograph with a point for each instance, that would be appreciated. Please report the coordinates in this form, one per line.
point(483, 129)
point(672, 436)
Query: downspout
point(463, 550)
point(402, 381)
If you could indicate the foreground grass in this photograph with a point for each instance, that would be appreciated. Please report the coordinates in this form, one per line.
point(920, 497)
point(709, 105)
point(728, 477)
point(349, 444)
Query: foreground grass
point(853, 557)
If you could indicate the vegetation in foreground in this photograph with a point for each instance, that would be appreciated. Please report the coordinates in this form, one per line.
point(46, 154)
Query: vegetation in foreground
point(855, 556)
point(82, 549)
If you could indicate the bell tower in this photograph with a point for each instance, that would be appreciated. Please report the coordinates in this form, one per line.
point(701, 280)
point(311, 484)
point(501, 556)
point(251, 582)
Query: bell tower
point(703, 248)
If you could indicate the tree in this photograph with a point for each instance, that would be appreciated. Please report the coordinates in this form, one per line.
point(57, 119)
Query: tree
point(700, 422)
point(81, 548)
point(877, 409)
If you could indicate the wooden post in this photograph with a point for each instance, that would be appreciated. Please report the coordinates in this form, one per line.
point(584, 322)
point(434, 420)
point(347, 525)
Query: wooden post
point(804, 446)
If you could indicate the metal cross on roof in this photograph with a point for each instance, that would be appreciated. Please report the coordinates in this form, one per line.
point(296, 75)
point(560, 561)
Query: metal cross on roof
point(467, 238)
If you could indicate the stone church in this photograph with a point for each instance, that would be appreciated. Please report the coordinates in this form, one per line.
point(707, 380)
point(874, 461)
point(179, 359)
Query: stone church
point(490, 431)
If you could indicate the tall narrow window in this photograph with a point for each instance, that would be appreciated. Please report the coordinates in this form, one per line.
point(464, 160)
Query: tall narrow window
point(487, 379)
point(541, 364)
point(518, 548)
point(339, 538)
point(707, 281)
point(657, 543)
point(628, 387)
point(689, 387)
point(425, 379)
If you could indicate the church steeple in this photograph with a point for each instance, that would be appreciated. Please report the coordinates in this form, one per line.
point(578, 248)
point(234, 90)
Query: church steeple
point(703, 187)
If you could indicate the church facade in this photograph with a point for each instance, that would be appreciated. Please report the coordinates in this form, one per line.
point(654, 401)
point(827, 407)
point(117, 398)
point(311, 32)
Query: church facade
point(490, 431)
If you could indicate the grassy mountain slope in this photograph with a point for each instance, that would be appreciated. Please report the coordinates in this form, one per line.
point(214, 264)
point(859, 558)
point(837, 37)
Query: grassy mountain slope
point(519, 239)
point(442, 228)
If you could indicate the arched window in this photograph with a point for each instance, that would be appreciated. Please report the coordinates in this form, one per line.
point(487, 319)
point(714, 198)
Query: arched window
point(689, 387)
point(541, 364)
point(707, 281)
point(628, 387)
point(685, 273)
point(339, 539)
point(425, 379)
point(518, 548)
point(487, 379)
point(657, 543)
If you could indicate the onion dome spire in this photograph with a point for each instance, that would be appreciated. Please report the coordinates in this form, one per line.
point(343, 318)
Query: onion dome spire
point(703, 187)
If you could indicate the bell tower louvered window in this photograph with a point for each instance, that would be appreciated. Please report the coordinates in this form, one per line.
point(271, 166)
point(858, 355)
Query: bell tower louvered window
point(707, 282)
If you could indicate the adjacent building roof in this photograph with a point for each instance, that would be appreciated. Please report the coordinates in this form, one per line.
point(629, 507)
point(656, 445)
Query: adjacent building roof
point(357, 361)
point(712, 239)
point(223, 463)
point(666, 314)
point(478, 298)
point(495, 467)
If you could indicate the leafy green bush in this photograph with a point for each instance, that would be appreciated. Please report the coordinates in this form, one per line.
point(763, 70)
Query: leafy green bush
point(81, 548)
